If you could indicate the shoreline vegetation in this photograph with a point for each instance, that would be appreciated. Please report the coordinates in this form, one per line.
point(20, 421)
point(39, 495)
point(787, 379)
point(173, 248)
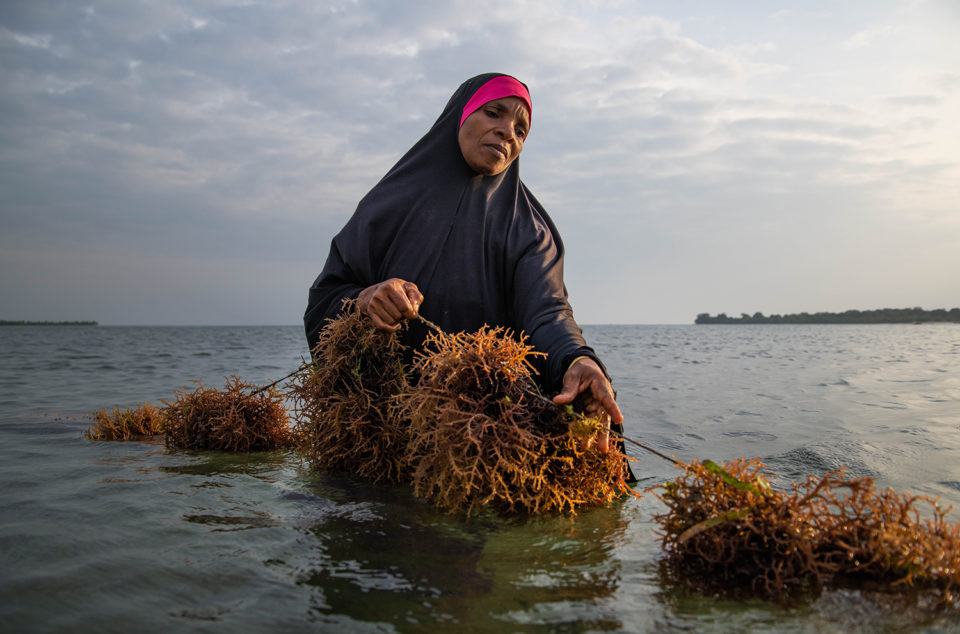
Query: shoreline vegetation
point(880, 316)
point(21, 322)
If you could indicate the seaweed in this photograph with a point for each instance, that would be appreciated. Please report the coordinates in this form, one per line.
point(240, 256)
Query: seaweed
point(137, 423)
point(346, 409)
point(464, 424)
point(727, 529)
point(481, 436)
point(233, 419)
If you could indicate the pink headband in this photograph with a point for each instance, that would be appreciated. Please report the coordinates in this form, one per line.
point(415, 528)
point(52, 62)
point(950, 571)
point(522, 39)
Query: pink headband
point(497, 88)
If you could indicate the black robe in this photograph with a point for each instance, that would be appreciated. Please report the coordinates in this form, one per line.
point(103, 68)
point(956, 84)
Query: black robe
point(481, 249)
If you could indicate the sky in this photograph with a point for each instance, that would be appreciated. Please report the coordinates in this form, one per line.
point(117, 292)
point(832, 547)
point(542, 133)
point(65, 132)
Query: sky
point(187, 162)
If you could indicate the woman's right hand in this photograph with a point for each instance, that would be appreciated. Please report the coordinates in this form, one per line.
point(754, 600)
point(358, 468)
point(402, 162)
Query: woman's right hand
point(389, 302)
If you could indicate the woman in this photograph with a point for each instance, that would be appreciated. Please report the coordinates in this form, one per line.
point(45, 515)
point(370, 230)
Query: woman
point(451, 232)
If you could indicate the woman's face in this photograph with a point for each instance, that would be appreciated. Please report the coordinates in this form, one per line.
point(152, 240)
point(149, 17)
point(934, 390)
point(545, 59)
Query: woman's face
point(492, 137)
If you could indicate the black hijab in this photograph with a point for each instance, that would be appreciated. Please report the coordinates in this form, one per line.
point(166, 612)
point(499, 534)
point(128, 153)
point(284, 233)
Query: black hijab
point(481, 249)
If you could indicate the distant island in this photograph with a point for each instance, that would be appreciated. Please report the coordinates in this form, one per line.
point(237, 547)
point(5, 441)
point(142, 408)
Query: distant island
point(881, 316)
point(10, 322)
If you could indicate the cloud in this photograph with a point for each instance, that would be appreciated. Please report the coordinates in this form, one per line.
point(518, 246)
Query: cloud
point(868, 36)
point(674, 150)
point(916, 100)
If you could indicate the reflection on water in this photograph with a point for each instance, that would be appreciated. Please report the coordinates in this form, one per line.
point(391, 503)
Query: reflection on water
point(215, 463)
point(133, 537)
point(394, 559)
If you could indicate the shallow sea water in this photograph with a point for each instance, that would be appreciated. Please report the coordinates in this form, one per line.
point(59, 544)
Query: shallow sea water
point(118, 537)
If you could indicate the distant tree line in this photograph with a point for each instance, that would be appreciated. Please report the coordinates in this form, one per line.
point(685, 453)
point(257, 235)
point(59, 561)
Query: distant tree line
point(880, 316)
point(9, 322)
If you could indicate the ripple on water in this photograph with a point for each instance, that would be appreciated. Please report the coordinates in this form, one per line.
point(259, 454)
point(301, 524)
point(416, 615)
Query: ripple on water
point(758, 435)
point(801, 462)
point(228, 523)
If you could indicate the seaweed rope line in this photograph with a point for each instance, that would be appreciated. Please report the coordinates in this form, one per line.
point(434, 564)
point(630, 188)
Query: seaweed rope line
point(303, 366)
point(548, 401)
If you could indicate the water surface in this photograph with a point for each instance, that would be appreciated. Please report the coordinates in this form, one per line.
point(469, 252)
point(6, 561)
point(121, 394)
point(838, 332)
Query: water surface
point(133, 537)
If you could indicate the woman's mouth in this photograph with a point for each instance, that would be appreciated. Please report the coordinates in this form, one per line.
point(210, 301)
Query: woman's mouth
point(498, 150)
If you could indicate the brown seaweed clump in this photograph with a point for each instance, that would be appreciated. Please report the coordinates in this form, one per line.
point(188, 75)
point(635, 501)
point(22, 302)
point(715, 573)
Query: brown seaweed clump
point(235, 419)
point(482, 436)
point(136, 423)
point(725, 528)
point(346, 409)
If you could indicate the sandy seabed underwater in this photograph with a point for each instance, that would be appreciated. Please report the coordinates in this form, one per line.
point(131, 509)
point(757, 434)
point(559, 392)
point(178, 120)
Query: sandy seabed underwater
point(116, 537)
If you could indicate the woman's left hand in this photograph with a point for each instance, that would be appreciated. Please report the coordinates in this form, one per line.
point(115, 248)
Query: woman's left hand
point(586, 376)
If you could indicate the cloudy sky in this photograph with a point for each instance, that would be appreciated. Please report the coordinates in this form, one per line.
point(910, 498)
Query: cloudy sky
point(187, 162)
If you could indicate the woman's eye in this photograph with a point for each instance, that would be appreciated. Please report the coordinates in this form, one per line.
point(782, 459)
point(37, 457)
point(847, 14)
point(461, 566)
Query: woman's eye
point(492, 114)
point(520, 132)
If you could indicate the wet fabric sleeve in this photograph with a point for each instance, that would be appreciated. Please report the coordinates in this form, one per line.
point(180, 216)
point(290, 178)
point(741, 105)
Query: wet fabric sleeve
point(334, 284)
point(541, 306)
